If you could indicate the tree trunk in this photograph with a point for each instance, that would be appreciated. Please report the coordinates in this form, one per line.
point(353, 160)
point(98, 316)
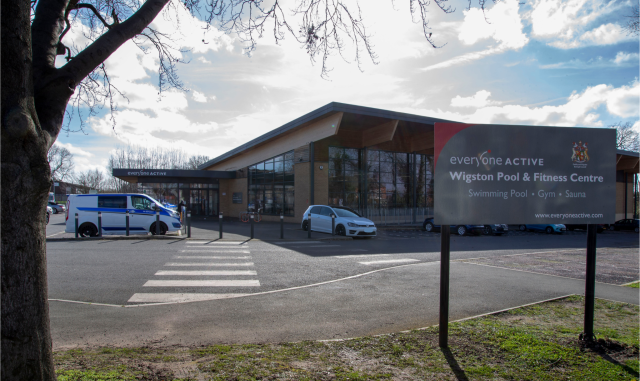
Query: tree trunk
point(26, 337)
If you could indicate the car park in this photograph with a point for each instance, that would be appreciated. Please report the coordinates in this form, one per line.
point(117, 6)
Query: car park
point(548, 228)
point(430, 226)
point(142, 211)
point(572, 227)
point(56, 208)
point(496, 229)
point(347, 221)
point(625, 224)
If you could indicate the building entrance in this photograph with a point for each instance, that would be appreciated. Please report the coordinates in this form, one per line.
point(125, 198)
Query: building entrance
point(202, 202)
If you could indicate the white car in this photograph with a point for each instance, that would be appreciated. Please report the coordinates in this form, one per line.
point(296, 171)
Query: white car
point(347, 221)
point(49, 211)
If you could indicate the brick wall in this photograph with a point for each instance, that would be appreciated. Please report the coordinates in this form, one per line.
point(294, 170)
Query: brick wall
point(227, 188)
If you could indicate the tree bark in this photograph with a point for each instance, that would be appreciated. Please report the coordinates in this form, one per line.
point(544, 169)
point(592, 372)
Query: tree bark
point(26, 338)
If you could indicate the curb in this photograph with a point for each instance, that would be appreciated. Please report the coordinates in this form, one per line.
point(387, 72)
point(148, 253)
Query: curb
point(180, 238)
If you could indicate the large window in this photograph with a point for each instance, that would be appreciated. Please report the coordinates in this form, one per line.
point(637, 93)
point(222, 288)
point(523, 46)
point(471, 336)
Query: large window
point(389, 181)
point(271, 185)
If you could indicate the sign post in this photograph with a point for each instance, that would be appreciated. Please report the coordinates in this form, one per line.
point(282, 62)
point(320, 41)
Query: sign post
point(488, 174)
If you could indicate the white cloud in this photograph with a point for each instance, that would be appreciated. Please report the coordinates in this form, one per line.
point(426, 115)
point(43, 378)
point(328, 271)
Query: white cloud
point(502, 23)
point(479, 99)
point(199, 97)
point(622, 59)
point(76, 151)
point(607, 34)
point(462, 59)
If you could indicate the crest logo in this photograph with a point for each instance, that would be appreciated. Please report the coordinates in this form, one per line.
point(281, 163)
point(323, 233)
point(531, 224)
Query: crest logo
point(580, 155)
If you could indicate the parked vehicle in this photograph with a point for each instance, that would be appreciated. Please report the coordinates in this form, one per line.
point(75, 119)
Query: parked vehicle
point(626, 224)
point(57, 208)
point(572, 227)
point(548, 228)
point(347, 221)
point(49, 211)
point(496, 229)
point(142, 214)
point(429, 226)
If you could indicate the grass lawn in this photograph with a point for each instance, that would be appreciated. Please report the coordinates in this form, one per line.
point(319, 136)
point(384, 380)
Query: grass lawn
point(538, 342)
point(634, 284)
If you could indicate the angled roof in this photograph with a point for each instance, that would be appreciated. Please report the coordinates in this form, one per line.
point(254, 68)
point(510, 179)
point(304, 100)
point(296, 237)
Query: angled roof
point(331, 108)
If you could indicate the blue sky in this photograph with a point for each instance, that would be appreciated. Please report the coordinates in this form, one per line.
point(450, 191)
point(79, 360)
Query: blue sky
point(537, 62)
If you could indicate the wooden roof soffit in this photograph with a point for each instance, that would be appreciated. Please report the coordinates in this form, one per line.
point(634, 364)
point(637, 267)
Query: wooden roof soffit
point(379, 134)
point(422, 142)
point(627, 163)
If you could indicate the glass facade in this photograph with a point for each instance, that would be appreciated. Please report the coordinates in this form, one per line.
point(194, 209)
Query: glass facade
point(201, 199)
point(271, 185)
point(389, 179)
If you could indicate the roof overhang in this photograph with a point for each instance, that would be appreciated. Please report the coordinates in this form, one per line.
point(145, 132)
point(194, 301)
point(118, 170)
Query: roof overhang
point(171, 175)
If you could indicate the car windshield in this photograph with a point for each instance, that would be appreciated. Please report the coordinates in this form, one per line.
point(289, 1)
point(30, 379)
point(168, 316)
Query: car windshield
point(345, 213)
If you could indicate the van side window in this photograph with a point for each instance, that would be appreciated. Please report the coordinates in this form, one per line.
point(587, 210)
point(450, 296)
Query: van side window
point(117, 202)
point(141, 203)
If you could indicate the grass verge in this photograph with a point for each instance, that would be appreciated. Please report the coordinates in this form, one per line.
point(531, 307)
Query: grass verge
point(634, 284)
point(538, 342)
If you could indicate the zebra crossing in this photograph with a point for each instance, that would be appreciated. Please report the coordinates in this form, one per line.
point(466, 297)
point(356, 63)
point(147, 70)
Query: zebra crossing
point(197, 269)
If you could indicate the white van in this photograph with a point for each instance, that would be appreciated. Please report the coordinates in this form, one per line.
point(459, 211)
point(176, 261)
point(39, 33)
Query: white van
point(141, 208)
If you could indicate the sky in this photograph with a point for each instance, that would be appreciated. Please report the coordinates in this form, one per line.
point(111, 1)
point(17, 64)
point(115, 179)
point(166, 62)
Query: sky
point(528, 62)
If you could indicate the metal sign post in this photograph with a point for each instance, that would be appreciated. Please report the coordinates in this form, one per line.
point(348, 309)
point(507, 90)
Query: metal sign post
point(281, 226)
point(127, 222)
point(590, 284)
point(99, 224)
point(157, 222)
point(220, 220)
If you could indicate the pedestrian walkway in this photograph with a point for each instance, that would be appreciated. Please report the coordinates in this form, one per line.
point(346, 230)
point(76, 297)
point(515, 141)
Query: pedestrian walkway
point(199, 269)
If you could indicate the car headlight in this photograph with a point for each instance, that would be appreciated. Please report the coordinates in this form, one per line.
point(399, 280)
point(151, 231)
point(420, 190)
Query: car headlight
point(352, 224)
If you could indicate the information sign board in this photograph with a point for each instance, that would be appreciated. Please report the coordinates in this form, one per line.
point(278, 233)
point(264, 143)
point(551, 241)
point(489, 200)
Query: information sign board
point(236, 198)
point(486, 174)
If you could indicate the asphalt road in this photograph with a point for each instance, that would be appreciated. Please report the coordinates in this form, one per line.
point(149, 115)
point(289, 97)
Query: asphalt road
point(133, 292)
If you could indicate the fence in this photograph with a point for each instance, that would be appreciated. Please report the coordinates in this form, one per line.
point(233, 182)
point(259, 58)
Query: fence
point(397, 216)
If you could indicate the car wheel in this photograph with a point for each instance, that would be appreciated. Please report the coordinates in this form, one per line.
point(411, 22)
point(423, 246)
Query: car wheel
point(612, 228)
point(55, 211)
point(462, 230)
point(47, 218)
point(549, 230)
point(636, 229)
point(340, 230)
point(163, 228)
point(523, 228)
point(87, 230)
point(305, 225)
point(487, 230)
point(429, 227)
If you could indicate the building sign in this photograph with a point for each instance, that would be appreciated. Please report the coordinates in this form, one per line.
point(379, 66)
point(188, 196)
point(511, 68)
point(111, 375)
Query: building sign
point(237, 197)
point(487, 174)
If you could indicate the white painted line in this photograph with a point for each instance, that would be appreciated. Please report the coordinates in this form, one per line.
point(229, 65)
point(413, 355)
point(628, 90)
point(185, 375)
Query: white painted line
point(178, 298)
point(55, 234)
point(360, 256)
point(298, 243)
point(208, 257)
point(216, 243)
point(388, 261)
point(208, 264)
point(207, 272)
point(202, 283)
point(319, 246)
point(216, 251)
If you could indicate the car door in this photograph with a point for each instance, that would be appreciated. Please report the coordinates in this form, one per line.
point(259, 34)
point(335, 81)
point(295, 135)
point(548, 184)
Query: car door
point(113, 210)
point(315, 214)
point(325, 219)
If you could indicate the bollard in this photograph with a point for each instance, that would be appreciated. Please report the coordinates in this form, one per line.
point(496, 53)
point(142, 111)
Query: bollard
point(127, 223)
point(99, 224)
point(188, 224)
point(157, 222)
point(333, 224)
point(220, 219)
point(251, 218)
point(281, 226)
point(76, 225)
point(309, 232)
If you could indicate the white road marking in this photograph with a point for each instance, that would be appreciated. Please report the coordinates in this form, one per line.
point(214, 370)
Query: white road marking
point(202, 283)
point(208, 257)
point(359, 256)
point(208, 264)
point(298, 243)
point(178, 298)
point(216, 251)
point(207, 272)
point(389, 261)
point(209, 243)
point(319, 246)
point(55, 234)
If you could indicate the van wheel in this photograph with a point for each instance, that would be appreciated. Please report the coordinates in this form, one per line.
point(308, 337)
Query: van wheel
point(163, 228)
point(87, 230)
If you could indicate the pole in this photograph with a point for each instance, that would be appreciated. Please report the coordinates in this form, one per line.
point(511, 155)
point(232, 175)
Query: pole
point(312, 158)
point(251, 218)
point(127, 222)
point(281, 226)
point(444, 284)
point(590, 283)
point(309, 224)
point(188, 223)
point(99, 224)
point(157, 222)
point(333, 224)
point(76, 225)
point(220, 219)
